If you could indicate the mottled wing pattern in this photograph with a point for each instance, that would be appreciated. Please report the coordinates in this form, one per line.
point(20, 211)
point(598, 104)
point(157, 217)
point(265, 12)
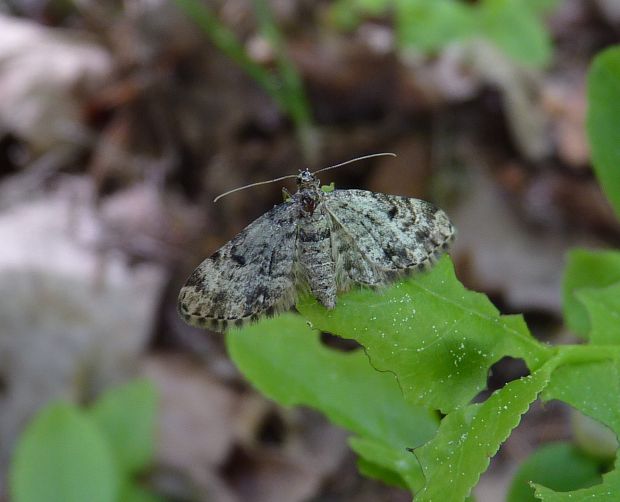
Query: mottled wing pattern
point(377, 237)
point(250, 276)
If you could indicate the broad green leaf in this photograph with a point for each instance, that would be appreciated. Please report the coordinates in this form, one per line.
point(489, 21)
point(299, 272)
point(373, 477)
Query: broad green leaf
point(591, 387)
point(437, 337)
point(285, 360)
point(603, 306)
point(526, 40)
point(603, 122)
point(126, 416)
point(607, 491)
point(344, 15)
point(63, 457)
point(593, 438)
point(386, 463)
point(400, 462)
point(133, 492)
point(374, 471)
point(428, 26)
point(347, 14)
point(540, 6)
point(468, 437)
point(559, 466)
point(586, 269)
point(594, 389)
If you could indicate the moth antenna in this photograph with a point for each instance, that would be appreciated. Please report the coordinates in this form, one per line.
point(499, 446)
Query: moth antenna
point(383, 154)
point(253, 185)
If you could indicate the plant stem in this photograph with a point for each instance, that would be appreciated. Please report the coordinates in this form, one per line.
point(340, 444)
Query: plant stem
point(587, 353)
point(285, 88)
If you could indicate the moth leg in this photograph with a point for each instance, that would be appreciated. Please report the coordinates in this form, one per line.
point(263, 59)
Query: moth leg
point(286, 195)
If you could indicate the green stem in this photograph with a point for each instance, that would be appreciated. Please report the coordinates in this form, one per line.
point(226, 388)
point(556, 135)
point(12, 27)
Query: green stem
point(285, 88)
point(293, 94)
point(587, 353)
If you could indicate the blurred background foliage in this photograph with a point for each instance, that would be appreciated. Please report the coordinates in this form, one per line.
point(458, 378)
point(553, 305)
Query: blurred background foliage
point(121, 120)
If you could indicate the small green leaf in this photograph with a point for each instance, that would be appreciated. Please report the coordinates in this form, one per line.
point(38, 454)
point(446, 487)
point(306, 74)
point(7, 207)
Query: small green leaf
point(135, 493)
point(603, 306)
point(540, 6)
point(329, 188)
point(586, 269)
point(526, 40)
point(376, 468)
point(438, 338)
point(593, 438)
point(126, 416)
point(63, 457)
point(468, 437)
point(285, 360)
point(603, 121)
point(347, 14)
point(591, 387)
point(594, 389)
point(428, 26)
point(559, 466)
point(393, 465)
point(373, 471)
point(607, 491)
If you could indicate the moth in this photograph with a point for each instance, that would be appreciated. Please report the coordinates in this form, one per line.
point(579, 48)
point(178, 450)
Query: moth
point(318, 242)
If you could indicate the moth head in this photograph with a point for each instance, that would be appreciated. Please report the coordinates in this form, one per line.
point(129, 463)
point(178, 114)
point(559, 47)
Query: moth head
point(305, 179)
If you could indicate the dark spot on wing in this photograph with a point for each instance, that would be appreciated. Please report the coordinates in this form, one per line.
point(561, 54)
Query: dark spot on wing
point(392, 212)
point(220, 297)
point(422, 234)
point(237, 258)
point(314, 236)
point(254, 296)
point(196, 280)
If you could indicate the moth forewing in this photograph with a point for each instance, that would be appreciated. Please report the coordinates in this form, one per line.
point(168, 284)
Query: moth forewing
point(316, 241)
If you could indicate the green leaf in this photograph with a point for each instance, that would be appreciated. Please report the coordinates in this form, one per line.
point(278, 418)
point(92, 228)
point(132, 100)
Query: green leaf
point(438, 338)
point(376, 471)
point(63, 457)
point(586, 269)
point(607, 491)
point(594, 389)
point(135, 493)
point(126, 416)
point(591, 387)
point(428, 26)
point(559, 466)
point(603, 122)
point(603, 306)
point(517, 30)
point(394, 465)
point(540, 6)
point(593, 438)
point(329, 188)
point(468, 437)
point(285, 360)
point(347, 14)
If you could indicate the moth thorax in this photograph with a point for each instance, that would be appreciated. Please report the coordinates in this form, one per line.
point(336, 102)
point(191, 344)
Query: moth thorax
point(309, 201)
